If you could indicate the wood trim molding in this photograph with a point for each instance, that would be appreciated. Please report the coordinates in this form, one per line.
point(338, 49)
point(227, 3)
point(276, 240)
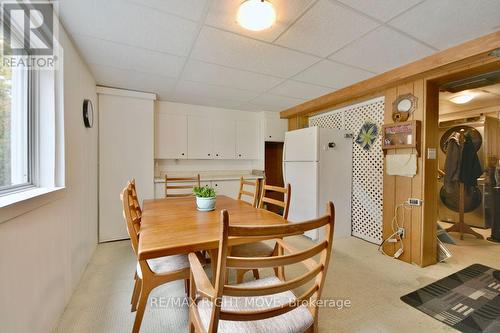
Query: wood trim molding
point(472, 50)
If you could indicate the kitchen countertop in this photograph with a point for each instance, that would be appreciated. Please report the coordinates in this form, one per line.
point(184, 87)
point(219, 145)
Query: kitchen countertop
point(214, 177)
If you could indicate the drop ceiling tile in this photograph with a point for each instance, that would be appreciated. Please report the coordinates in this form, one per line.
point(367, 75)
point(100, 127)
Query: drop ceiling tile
point(271, 102)
point(105, 53)
point(229, 49)
point(203, 72)
point(190, 9)
point(381, 10)
point(381, 50)
point(222, 14)
point(325, 28)
point(127, 79)
point(79, 16)
point(143, 27)
point(445, 23)
point(332, 74)
point(300, 90)
point(203, 90)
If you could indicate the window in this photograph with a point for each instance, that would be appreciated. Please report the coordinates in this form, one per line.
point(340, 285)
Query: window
point(16, 129)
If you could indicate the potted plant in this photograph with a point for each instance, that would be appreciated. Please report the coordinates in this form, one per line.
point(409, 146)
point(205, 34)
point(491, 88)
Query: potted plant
point(205, 198)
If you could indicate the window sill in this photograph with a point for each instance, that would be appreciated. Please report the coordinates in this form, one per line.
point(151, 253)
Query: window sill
point(19, 203)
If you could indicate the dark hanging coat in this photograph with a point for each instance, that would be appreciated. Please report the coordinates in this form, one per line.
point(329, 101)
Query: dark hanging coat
point(470, 169)
point(452, 162)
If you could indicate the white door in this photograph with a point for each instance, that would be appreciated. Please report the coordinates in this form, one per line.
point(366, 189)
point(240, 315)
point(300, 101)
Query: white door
point(301, 145)
point(247, 134)
point(125, 151)
point(224, 139)
point(199, 138)
point(303, 179)
point(171, 136)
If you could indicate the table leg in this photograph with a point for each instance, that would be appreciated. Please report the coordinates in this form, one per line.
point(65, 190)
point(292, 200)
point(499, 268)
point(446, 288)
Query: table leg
point(214, 253)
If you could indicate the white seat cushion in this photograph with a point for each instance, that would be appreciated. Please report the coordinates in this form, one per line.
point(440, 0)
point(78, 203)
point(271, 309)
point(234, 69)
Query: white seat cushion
point(165, 264)
point(295, 321)
point(257, 249)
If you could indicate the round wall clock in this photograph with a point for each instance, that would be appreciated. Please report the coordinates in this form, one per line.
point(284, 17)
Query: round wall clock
point(88, 113)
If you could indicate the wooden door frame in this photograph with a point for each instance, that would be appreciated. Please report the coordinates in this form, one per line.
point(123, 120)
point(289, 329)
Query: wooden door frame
point(431, 140)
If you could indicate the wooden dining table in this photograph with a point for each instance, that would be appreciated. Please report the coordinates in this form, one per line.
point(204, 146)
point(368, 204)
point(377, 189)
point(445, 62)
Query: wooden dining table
point(174, 226)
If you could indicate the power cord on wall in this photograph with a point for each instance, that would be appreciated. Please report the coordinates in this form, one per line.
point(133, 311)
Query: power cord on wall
point(397, 230)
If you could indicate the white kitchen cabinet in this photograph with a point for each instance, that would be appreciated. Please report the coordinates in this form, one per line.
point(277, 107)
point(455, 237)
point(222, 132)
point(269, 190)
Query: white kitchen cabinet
point(274, 129)
point(224, 139)
point(228, 188)
point(247, 134)
point(171, 136)
point(199, 138)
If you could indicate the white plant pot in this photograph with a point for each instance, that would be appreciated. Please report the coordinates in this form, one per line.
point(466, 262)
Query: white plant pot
point(205, 204)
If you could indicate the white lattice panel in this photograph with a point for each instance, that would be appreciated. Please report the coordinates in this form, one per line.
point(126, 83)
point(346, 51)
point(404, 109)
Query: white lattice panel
point(367, 173)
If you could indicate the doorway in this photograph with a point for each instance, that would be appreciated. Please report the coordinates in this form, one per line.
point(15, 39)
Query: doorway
point(469, 111)
point(273, 168)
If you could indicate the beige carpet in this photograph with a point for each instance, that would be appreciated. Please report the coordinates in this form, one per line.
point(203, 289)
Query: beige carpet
point(372, 282)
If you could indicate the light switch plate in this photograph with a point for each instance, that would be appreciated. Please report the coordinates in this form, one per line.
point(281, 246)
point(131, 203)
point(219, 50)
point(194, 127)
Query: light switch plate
point(431, 153)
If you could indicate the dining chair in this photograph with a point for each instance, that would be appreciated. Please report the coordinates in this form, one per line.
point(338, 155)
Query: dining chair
point(150, 273)
point(254, 195)
point(261, 249)
point(184, 190)
point(266, 200)
point(240, 308)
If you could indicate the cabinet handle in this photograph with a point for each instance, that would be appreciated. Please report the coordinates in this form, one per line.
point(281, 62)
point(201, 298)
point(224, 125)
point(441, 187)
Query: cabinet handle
point(216, 154)
point(239, 155)
point(270, 136)
point(208, 154)
point(182, 154)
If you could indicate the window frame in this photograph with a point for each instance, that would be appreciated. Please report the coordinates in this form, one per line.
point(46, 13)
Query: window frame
point(31, 132)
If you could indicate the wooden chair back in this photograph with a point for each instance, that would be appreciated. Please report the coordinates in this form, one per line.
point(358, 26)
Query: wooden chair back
point(253, 194)
point(285, 204)
point(184, 190)
point(132, 219)
point(316, 270)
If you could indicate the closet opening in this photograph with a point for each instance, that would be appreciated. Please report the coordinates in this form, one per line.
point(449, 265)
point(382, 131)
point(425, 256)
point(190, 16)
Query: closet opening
point(468, 160)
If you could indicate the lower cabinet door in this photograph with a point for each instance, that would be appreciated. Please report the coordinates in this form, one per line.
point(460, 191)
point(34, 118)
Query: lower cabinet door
point(229, 188)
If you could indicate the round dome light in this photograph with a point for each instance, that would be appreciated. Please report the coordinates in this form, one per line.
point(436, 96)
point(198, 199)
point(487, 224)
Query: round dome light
point(256, 15)
point(462, 99)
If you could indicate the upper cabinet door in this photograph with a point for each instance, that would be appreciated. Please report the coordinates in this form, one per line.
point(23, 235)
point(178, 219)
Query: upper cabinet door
point(199, 138)
point(275, 130)
point(224, 139)
point(171, 136)
point(247, 139)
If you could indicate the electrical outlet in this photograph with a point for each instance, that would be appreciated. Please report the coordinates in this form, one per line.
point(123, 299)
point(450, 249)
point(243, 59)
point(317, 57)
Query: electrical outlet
point(414, 202)
point(401, 232)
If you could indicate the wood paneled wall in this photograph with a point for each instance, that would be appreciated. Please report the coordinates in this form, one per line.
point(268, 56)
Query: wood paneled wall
point(397, 189)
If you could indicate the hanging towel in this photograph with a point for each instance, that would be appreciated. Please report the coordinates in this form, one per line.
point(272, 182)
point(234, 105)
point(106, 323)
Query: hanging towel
point(401, 165)
point(470, 170)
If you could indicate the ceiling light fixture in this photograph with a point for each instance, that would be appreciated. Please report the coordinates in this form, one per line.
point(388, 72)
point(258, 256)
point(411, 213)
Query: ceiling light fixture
point(462, 99)
point(256, 15)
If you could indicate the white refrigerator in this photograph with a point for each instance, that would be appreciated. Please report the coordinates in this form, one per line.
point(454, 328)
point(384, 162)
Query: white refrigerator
point(317, 163)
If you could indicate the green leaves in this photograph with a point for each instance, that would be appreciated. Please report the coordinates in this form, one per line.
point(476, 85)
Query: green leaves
point(204, 192)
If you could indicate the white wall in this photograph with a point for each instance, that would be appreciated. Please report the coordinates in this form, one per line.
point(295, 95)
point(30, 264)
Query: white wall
point(43, 253)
